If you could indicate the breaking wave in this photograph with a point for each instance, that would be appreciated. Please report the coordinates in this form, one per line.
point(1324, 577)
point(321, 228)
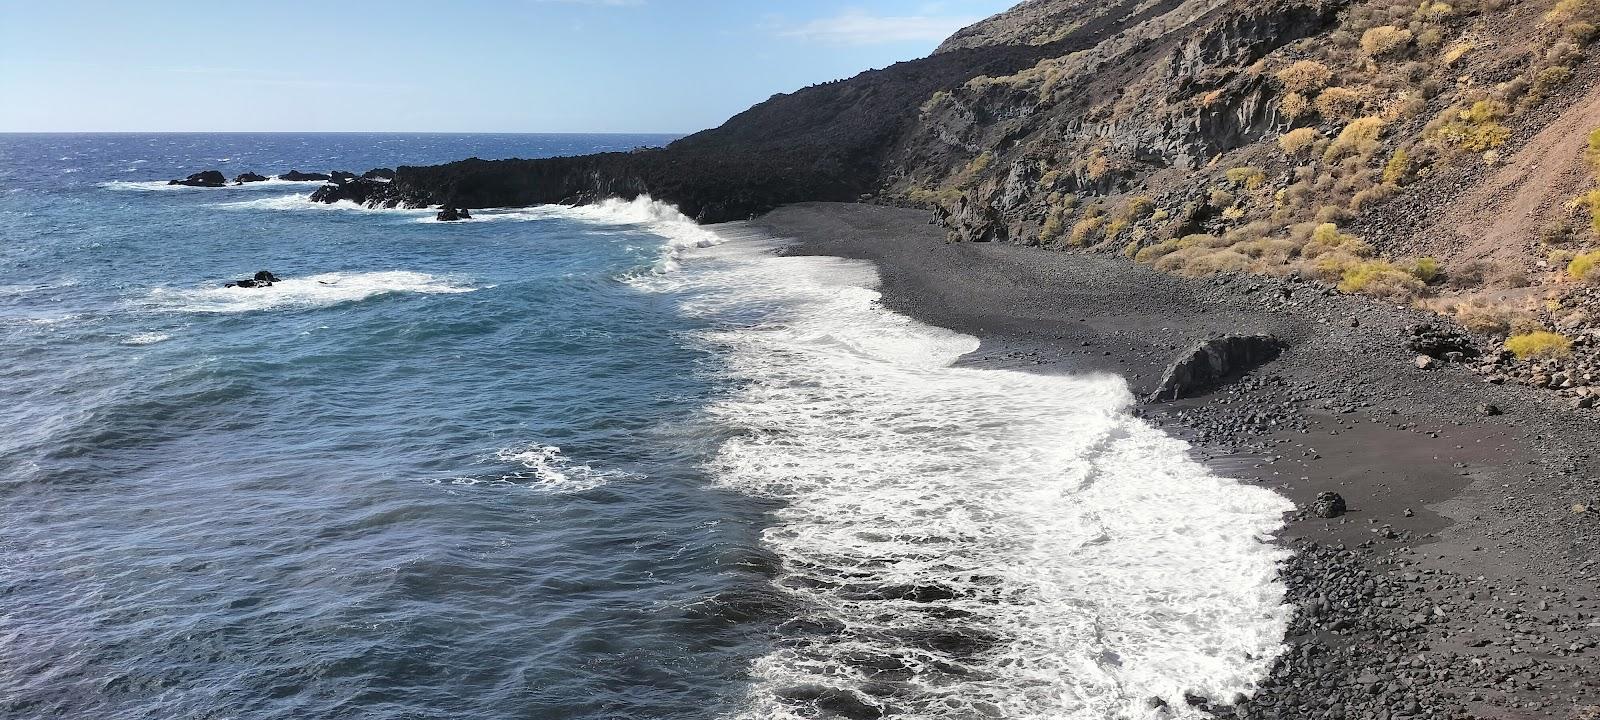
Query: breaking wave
point(311, 291)
point(968, 542)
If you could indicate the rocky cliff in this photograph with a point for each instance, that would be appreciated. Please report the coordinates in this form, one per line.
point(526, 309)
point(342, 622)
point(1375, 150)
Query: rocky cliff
point(1366, 144)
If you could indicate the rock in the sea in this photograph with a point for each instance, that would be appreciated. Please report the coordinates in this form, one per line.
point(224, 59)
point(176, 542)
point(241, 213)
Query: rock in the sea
point(249, 177)
point(263, 278)
point(342, 176)
point(297, 176)
point(1328, 505)
point(450, 214)
point(209, 178)
point(1215, 361)
point(378, 174)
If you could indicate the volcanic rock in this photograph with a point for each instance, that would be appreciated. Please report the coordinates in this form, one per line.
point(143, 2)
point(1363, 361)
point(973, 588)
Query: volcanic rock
point(208, 178)
point(297, 176)
point(262, 278)
point(249, 177)
point(1214, 362)
point(1328, 505)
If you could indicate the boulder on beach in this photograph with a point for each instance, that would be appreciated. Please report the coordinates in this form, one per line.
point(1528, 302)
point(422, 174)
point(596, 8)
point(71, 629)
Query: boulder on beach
point(1214, 362)
point(1328, 505)
point(249, 177)
point(208, 178)
point(262, 278)
point(297, 176)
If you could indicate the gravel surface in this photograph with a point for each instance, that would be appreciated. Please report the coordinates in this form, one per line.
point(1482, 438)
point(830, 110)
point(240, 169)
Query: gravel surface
point(1463, 578)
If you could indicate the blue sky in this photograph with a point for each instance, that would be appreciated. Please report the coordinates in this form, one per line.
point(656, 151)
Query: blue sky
point(488, 66)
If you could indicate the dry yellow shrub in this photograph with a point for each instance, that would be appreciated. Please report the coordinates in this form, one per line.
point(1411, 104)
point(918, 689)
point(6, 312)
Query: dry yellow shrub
point(1384, 40)
point(1338, 103)
point(1305, 76)
point(1296, 142)
point(1359, 138)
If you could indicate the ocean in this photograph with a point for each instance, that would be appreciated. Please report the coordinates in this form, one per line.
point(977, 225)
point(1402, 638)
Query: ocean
point(556, 462)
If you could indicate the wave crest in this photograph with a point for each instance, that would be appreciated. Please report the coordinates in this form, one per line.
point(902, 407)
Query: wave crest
point(310, 291)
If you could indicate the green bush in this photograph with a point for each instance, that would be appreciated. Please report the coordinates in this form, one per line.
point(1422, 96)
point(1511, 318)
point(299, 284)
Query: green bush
point(1539, 344)
point(1585, 267)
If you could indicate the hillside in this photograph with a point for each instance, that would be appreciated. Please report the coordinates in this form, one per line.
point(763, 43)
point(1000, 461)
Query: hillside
point(1426, 153)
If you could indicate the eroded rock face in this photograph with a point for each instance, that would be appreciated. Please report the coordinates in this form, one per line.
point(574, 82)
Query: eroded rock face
point(1214, 362)
point(208, 178)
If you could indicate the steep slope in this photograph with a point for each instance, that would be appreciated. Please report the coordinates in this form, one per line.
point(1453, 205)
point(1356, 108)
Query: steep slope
point(1372, 145)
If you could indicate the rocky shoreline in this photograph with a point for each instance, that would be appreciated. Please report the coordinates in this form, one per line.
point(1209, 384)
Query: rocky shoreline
point(1462, 583)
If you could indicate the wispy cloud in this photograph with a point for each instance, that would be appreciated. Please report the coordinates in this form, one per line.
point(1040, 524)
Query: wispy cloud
point(858, 27)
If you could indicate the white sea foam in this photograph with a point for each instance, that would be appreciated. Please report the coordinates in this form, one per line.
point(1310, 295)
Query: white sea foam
point(682, 234)
point(303, 202)
point(163, 186)
point(149, 338)
point(547, 468)
point(302, 292)
point(1072, 560)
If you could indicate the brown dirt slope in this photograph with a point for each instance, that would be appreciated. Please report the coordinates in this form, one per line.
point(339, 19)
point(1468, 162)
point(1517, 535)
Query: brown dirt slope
point(1501, 219)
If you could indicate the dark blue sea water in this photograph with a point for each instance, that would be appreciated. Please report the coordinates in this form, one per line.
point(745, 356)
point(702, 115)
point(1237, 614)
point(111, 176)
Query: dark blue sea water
point(553, 463)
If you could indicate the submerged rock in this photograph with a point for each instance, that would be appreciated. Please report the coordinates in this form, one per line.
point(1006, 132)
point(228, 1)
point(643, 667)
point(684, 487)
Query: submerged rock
point(262, 278)
point(450, 214)
point(1214, 362)
point(208, 178)
point(249, 177)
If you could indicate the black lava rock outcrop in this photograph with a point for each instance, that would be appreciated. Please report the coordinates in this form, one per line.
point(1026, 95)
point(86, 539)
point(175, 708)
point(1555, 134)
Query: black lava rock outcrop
point(297, 176)
point(208, 178)
point(378, 174)
point(1435, 340)
point(262, 278)
point(1215, 361)
point(450, 214)
point(1328, 505)
point(248, 177)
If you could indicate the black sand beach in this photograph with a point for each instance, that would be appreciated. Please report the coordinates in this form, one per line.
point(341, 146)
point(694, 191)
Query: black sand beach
point(1465, 579)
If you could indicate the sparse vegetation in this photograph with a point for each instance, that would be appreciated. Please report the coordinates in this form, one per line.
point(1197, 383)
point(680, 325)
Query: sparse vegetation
point(1249, 178)
point(1477, 128)
point(1398, 169)
point(1380, 278)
